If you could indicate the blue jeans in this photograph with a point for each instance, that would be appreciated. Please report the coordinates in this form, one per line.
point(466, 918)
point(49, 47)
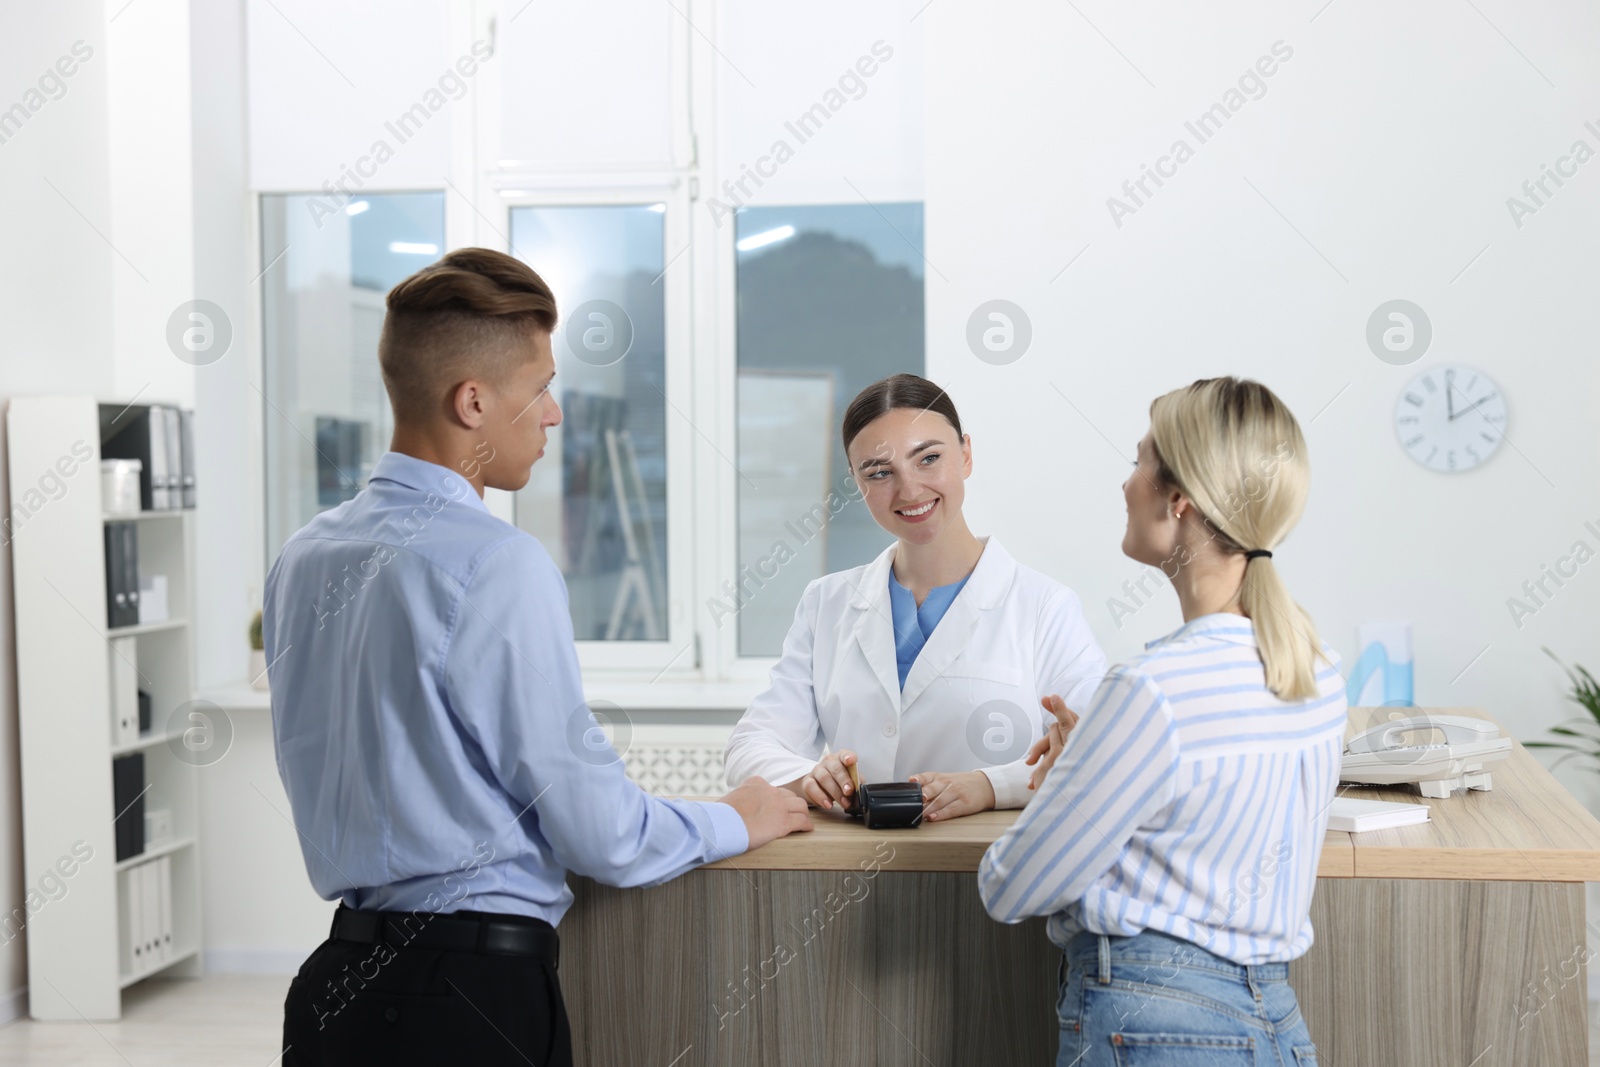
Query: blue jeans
point(1158, 1001)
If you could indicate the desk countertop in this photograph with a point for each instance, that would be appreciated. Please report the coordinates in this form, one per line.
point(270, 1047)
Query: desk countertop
point(1527, 828)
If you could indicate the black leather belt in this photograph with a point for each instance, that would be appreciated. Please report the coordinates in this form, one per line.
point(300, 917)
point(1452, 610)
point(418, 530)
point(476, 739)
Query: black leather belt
point(454, 932)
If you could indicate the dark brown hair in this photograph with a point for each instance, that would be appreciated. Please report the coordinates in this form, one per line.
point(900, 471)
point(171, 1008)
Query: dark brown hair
point(896, 391)
point(466, 316)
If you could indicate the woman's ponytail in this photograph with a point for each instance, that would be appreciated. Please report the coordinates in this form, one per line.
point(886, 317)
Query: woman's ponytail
point(1236, 451)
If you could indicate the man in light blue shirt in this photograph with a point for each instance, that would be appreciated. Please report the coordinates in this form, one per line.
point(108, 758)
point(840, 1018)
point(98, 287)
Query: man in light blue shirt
point(444, 770)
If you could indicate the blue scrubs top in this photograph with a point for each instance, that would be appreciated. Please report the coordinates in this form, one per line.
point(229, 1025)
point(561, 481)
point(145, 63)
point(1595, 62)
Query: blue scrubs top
point(912, 624)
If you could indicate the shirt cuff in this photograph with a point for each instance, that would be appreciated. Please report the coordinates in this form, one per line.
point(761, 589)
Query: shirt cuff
point(1010, 784)
point(728, 835)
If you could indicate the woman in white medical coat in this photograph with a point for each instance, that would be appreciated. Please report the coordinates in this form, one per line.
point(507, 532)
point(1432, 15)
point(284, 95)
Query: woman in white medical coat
point(873, 675)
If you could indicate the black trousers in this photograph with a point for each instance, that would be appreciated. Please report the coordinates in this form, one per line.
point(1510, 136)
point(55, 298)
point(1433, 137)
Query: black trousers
point(354, 1004)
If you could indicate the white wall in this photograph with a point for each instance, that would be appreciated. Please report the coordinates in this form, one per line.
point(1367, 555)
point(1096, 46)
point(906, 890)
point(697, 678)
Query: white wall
point(325, 79)
point(152, 195)
point(56, 282)
point(1390, 141)
point(260, 911)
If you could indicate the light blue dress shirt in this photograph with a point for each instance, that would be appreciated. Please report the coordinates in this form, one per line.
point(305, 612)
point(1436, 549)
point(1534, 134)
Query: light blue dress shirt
point(913, 624)
point(429, 716)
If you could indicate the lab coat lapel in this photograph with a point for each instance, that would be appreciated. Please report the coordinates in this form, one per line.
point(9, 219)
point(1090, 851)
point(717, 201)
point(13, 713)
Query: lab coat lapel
point(874, 624)
point(991, 580)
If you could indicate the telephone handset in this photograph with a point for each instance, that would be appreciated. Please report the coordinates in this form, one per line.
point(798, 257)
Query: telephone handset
point(1457, 730)
point(1406, 751)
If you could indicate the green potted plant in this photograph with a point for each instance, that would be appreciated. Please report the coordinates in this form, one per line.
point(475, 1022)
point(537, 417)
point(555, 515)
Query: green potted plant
point(1581, 734)
point(257, 671)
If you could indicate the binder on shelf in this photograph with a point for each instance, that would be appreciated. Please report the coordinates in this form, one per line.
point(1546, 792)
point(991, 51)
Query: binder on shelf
point(133, 931)
point(164, 882)
point(122, 574)
point(174, 430)
point(125, 915)
point(116, 592)
point(125, 694)
point(187, 440)
point(127, 798)
point(144, 712)
point(152, 913)
point(130, 564)
point(160, 478)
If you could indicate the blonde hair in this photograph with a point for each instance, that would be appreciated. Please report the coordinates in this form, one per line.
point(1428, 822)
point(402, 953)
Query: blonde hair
point(1235, 450)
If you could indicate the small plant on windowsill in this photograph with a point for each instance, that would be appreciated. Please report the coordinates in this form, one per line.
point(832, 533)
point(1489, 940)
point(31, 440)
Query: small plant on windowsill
point(257, 670)
point(1582, 732)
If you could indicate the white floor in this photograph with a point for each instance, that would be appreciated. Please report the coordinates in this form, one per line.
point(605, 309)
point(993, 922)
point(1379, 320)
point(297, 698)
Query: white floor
point(220, 1020)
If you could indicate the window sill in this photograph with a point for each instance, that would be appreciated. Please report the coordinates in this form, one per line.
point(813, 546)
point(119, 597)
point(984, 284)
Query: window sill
point(668, 695)
point(721, 700)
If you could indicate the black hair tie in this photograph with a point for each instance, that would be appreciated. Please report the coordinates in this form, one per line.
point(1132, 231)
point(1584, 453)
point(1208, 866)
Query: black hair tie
point(1254, 552)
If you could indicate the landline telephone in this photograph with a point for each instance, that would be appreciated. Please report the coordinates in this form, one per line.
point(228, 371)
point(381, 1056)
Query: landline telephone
point(1381, 755)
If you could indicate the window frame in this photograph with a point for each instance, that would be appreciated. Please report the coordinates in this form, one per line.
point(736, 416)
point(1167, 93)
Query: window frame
point(505, 192)
point(699, 666)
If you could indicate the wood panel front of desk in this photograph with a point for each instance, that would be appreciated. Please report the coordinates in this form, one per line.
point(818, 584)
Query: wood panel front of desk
point(1460, 941)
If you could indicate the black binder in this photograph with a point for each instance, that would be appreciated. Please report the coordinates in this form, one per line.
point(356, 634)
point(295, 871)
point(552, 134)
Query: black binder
point(130, 568)
point(126, 433)
point(127, 796)
point(122, 574)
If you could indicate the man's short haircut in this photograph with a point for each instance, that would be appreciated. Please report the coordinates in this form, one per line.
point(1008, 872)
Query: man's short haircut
point(466, 316)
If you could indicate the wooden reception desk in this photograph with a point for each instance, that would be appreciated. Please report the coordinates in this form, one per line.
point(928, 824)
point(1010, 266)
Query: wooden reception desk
point(1458, 941)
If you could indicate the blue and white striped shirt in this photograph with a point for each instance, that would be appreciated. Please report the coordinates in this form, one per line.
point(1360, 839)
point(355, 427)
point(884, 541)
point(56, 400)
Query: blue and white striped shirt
point(1189, 800)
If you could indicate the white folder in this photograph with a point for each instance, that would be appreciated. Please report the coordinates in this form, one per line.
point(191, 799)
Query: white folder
point(129, 921)
point(124, 652)
point(135, 932)
point(174, 430)
point(158, 458)
point(164, 876)
point(152, 916)
point(186, 422)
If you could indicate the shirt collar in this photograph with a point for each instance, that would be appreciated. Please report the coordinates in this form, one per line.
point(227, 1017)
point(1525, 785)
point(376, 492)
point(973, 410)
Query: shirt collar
point(1220, 626)
point(425, 477)
point(986, 586)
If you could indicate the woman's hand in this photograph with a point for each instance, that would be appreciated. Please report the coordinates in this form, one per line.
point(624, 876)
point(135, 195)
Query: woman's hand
point(1042, 756)
point(950, 796)
point(828, 783)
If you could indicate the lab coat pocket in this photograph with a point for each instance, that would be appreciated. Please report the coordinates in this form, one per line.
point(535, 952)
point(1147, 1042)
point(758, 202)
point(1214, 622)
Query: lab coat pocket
point(1000, 721)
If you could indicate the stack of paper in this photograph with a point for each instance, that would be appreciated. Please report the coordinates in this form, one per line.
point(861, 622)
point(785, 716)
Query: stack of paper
point(1359, 816)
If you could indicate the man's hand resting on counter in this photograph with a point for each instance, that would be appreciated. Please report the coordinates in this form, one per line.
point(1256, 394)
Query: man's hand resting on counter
point(769, 811)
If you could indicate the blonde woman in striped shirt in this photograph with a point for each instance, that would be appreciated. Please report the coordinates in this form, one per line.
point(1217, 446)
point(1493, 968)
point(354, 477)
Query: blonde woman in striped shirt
point(1175, 830)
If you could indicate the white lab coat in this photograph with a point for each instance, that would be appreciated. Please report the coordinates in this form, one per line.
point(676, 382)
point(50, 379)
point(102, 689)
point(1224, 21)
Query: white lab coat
point(971, 698)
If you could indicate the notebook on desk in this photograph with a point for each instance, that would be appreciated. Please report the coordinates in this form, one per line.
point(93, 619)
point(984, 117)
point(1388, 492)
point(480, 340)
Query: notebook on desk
point(1359, 816)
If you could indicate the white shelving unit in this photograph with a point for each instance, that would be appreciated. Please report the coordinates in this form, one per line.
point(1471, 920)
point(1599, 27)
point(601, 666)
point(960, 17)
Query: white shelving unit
point(76, 964)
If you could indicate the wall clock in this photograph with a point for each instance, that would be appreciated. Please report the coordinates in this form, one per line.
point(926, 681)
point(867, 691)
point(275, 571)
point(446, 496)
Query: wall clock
point(1450, 418)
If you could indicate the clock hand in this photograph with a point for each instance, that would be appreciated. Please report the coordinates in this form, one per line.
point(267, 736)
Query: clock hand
point(1474, 407)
